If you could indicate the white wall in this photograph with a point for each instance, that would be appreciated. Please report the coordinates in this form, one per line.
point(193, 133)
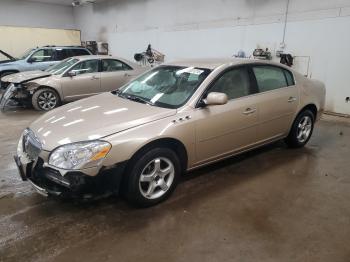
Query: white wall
point(33, 14)
point(319, 29)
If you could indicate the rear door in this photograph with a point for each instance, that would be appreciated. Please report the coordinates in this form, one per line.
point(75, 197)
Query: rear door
point(277, 101)
point(85, 83)
point(115, 73)
point(224, 129)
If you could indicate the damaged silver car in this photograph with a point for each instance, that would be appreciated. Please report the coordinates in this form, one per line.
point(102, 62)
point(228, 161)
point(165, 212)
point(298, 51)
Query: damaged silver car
point(72, 79)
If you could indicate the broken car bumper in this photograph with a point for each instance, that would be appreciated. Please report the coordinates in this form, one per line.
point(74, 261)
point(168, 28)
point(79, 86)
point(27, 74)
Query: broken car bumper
point(49, 182)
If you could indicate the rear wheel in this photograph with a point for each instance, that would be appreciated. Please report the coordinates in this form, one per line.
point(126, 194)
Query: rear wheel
point(45, 99)
point(152, 177)
point(301, 130)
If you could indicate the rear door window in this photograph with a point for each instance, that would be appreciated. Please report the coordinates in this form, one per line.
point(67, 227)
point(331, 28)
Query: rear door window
point(112, 65)
point(79, 52)
point(269, 77)
point(62, 54)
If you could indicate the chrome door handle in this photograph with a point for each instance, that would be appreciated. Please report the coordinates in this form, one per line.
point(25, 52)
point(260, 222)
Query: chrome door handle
point(249, 111)
point(292, 99)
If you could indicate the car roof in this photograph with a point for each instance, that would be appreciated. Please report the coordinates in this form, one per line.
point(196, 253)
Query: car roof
point(63, 47)
point(89, 57)
point(213, 63)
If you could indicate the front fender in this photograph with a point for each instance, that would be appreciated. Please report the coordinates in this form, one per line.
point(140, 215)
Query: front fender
point(125, 144)
point(34, 85)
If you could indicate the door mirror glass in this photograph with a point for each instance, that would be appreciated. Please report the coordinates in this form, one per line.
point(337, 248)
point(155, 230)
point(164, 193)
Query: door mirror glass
point(216, 98)
point(72, 73)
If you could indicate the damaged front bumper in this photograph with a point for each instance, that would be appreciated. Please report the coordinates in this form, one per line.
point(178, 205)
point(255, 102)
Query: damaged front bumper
point(49, 182)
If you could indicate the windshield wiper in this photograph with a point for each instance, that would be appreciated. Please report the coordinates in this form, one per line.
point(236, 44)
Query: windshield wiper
point(139, 99)
point(132, 97)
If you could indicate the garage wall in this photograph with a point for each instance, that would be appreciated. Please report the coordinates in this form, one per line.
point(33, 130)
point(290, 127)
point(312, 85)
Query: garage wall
point(33, 14)
point(13, 44)
point(317, 30)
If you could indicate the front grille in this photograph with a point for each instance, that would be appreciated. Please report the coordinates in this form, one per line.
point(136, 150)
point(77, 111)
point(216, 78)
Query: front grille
point(31, 145)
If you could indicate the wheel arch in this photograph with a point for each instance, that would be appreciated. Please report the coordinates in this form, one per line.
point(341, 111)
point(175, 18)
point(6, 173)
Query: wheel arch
point(312, 107)
point(176, 145)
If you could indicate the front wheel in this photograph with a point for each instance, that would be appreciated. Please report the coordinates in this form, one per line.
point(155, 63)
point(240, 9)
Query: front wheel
point(152, 177)
point(45, 99)
point(302, 129)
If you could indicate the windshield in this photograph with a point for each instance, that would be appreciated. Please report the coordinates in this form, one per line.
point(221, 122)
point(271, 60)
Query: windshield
point(62, 66)
point(26, 54)
point(165, 86)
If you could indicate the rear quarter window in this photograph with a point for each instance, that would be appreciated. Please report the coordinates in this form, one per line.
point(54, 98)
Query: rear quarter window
point(289, 77)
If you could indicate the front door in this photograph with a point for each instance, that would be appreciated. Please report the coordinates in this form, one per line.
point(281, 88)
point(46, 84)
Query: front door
point(224, 129)
point(277, 101)
point(84, 81)
point(41, 59)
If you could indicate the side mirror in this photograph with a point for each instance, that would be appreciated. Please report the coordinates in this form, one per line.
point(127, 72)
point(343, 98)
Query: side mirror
point(31, 60)
point(216, 98)
point(72, 73)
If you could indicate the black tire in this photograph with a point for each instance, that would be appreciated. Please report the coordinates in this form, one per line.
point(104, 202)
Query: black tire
point(294, 140)
point(133, 189)
point(53, 99)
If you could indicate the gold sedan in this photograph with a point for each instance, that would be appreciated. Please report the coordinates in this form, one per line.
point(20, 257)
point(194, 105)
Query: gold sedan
point(70, 80)
point(177, 117)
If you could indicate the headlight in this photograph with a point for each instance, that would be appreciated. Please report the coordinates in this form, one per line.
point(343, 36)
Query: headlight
point(80, 155)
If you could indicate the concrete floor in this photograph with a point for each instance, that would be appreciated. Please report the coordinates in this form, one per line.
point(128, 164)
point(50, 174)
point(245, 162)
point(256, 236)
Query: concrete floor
point(272, 204)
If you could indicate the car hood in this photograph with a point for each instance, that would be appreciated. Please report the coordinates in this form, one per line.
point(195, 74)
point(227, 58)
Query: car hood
point(93, 118)
point(24, 76)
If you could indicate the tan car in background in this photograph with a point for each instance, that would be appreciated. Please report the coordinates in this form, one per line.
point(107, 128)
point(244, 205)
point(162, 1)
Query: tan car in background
point(177, 117)
point(70, 80)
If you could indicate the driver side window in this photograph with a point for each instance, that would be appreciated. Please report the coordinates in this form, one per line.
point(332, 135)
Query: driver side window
point(86, 67)
point(235, 83)
point(42, 55)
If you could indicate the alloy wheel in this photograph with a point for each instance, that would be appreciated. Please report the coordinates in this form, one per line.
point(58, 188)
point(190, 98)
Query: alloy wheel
point(47, 100)
point(304, 129)
point(156, 178)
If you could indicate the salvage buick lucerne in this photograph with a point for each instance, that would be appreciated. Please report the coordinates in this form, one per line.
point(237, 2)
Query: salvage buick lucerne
point(72, 79)
point(139, 139)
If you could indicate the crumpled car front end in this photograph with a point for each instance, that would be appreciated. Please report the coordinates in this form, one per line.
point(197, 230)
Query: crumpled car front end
point(20, 88)
point(15, 95)
point(31, 160)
